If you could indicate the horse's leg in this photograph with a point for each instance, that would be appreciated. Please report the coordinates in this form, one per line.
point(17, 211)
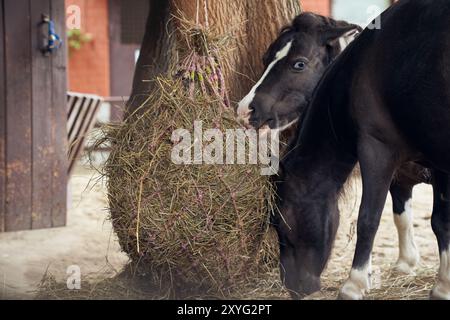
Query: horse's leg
point(377, 168)
point(401, 192)
point(440, 222)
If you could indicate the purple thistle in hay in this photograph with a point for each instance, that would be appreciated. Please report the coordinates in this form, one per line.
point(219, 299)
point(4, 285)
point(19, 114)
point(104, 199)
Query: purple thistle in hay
point(214, 77)
point(213, 87)
point(217, 124)
point(195, 264)
point(187, 62)
point(192, 71)
point(204, 72)
point(223, 88)
point(192, 87)
point(221, 82)
point(184, 67)
point(200, 78)
point(209, 222)
point(200, 196)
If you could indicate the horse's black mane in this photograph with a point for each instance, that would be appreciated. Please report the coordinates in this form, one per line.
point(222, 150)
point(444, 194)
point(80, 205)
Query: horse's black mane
point(310, 21)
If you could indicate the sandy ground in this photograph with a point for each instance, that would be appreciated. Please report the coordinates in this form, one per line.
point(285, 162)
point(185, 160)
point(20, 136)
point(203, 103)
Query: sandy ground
point(385, 251)
point(89, 242)
point(386, 243)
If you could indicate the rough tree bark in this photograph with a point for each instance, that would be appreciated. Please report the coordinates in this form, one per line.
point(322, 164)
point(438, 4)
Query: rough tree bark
point(254, 24)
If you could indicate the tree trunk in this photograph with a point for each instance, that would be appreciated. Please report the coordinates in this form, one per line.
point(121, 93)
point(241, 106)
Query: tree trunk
point(253, 24)
point(156, 54)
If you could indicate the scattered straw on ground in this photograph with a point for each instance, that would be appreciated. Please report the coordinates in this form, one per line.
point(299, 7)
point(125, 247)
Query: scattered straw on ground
point(124, 286)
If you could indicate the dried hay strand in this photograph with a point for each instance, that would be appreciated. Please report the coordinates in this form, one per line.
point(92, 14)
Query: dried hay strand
point(390, 286)
point(95, 286)
point(205, 225)
point(204, 58)
point(191, 227)
point(130, 287)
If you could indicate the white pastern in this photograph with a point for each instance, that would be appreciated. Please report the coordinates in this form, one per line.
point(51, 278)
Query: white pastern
point(243, 110)
point(441, 290)
point(408, 253)
point(357, 284)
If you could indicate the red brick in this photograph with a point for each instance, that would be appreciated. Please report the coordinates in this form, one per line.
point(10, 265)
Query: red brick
point(89, 67)
point(321, 7)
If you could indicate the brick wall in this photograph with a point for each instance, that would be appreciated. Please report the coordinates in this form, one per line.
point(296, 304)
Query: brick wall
point(88, 68)
point(317, 6)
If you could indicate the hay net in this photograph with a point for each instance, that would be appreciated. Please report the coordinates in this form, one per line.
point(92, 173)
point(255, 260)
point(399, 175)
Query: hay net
point(202, 226)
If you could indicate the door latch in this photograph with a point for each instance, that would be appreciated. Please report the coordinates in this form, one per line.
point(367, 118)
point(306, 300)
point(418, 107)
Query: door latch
point(51, 40)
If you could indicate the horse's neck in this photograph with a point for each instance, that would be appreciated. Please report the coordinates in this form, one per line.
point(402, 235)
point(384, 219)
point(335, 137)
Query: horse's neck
point(323, 143)
point(324, 166)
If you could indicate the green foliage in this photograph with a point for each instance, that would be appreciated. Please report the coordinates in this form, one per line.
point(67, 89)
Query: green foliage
point(77, 38)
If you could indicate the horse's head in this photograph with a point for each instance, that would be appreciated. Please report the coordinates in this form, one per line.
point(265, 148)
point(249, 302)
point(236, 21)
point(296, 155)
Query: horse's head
point(294, 64)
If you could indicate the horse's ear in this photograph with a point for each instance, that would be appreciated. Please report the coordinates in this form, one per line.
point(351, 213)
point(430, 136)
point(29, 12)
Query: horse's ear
point(332, 34)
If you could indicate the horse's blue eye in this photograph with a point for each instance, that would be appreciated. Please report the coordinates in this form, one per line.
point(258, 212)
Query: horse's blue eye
point(299, 65)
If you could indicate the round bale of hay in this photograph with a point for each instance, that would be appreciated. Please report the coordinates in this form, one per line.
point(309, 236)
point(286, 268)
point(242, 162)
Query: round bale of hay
point(202, 227)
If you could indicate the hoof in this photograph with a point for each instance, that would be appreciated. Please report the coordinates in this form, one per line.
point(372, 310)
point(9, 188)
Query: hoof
point(405, 268)
point(408, 261)
point(357, 285)
point(351, 291)
point(440, 292)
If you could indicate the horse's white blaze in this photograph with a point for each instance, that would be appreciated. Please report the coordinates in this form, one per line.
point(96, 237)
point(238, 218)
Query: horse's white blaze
point(408, 254)
point(357, 284)
point(442, 288)
point(244, 105)
point(243, 110)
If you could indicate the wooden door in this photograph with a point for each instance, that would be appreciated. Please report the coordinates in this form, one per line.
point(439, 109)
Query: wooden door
point(33, 136)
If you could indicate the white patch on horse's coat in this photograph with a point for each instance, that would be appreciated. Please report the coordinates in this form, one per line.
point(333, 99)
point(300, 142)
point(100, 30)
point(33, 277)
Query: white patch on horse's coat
point(243, 110)
point(408, 253)
point(357, 284)
point(441, 290)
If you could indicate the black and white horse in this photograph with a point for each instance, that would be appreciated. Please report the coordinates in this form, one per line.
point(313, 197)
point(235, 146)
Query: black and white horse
point(267, 104)
point(384, 102)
